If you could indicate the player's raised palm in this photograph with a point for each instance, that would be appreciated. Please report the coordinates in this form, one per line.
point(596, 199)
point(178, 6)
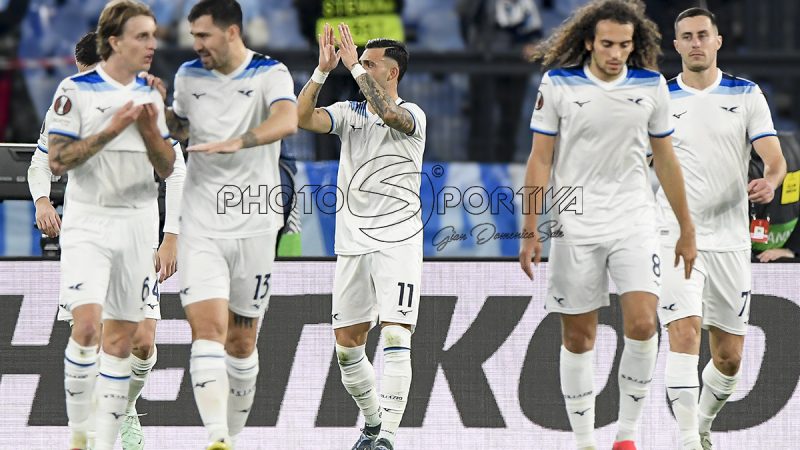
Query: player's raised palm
point(328, 57)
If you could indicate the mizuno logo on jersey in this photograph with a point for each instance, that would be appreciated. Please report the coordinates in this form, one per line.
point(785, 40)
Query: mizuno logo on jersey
point(404, 313)
point(197, 95)
point(581, 103)
point(102, 110)
point(558, 300)
point(76, 287)
point(246, 93)
point(184, 291)
point(152, 306)
point(678, 116)
point(335, 316)
point(636, 100)
point(355, 127)
point(730, 109)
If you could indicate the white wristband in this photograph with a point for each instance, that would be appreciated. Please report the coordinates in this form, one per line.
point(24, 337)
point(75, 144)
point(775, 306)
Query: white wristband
point(357, 71)
point(319, 76)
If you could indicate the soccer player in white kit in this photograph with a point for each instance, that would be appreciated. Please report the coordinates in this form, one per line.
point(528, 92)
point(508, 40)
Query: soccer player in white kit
point(379, 263)
point(716, 117)
point(593, 123)
point(109, 220)
point(235, 106)
point(143, 353)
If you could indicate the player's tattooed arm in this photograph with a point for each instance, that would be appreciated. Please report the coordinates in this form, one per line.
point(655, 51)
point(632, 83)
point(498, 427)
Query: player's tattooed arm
point(67, 153)
point(309, 117)
point(178, 128)
point(392, 114)
point(249, 139)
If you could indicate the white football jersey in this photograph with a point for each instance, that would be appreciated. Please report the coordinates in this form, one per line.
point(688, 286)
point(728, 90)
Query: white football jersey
point(379, 177)
point(713, 130)
point(603, 134)
point(220, 107)
point(120, 175)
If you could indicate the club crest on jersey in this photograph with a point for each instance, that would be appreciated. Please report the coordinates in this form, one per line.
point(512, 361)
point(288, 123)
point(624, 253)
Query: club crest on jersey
point(62, 105)
point(539, 100)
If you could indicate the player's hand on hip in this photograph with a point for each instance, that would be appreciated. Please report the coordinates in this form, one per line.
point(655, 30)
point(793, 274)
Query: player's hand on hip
point(229, 146)
point(47, 219)
point(347, 49)
point(687, 249)
point(155, 83)
point(760, 191)
point(530, 249)
point(167, 257)
point(124, 117)
point(328, 58)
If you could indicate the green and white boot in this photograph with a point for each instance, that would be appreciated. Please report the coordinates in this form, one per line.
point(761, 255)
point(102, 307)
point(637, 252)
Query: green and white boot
point(131, 432)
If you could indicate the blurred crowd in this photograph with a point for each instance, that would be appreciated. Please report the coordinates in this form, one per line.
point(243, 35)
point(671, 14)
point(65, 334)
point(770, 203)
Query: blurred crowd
point(473, 116)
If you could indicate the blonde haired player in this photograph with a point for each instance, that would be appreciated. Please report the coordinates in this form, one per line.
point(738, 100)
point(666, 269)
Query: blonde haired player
point(144, 353)
point(110, 147)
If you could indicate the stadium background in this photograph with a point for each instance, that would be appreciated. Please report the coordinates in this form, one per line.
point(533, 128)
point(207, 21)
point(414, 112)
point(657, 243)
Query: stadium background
point(477, 89)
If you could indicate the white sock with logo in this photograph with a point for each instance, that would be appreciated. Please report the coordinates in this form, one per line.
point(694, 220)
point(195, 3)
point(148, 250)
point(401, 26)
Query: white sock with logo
point(210, 386)
point(683, 389)
point(636, 367)
point(140, 369)
point(358, 378)
point(242, 375)
point(717, 387)
point(112, 398)
point(80, 373)
point(576, 370)
point(396, 380)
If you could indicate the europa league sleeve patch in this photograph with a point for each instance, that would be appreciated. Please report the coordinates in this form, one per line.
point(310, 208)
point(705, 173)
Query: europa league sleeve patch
point(62, 105)
point(539, 100)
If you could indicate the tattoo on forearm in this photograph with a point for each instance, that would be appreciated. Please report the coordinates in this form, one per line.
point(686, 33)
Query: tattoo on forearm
point(311, 89)
point(161, 156)
point(71, 153)
point(380, 101)
point(242, 321)
point(249, 139)
point(177, 127)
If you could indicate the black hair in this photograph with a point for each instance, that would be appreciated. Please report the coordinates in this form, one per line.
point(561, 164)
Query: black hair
point(696, 12)
point(224, 13)
point(393, 49)
point(86, 50)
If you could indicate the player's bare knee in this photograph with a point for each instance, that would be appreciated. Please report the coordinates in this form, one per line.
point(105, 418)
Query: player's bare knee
point(352, 336)
point(86, 333)
point(578, 340)
point(728, 361)
point(142, 350)
point(239, 345)
point(641, 328)
point(684, 337)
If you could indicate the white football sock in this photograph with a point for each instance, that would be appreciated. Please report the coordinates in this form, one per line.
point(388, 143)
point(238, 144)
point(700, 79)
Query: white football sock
point(112, 398)
point(576, 370)
point(140, 369)
point(210, 386)
point(80, 373)
point(358, 378)
point(636, 367)
point(683, 390)
point(717, 387)
point(396, 379)
point(242, 374)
